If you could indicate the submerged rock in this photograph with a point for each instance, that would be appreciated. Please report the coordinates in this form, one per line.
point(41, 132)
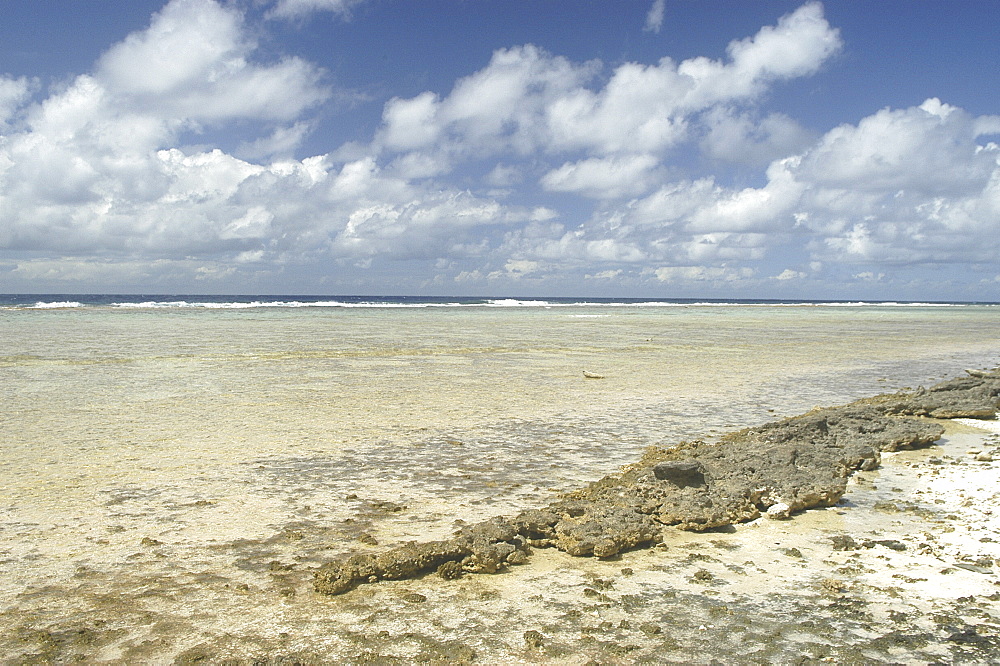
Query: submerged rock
point(777, 469)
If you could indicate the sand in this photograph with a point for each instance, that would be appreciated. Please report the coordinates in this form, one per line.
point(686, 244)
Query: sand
point(902, 569)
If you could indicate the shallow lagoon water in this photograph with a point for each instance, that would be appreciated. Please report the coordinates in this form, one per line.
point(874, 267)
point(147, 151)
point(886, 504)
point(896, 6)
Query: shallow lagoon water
point(174, 473)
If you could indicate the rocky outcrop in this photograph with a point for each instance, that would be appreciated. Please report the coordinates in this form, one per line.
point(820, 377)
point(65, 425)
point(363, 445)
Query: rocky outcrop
point(972, 397)
point(776, 469)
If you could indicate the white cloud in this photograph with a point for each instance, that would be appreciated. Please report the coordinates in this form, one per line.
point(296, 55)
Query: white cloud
point(603, 178)
point(930, 149)
point(527, 100)
point(798, 46)
point(505, 175)
point(742, 139)
point(411, 123)
point(902, 187)
point(702, 274)
point(187, 41)
point(789, 274)
point(290, 9)
point(192, 62)
point(282, 142)
point(13, 94)
point(765, 208)
point(487, 182)
point(654, 18)
point(605, 275)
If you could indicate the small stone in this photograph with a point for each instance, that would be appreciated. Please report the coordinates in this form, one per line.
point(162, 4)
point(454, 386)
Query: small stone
point(414, 598)
point(985, 456)
point(534, 639)
point(703, 576)
point(779, 511)
point(833, 585)
point(450, 570)
point(650, 629)
point(844, 542)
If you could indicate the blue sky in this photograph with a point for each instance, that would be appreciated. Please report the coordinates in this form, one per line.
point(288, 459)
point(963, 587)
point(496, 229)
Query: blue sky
point(660, 148)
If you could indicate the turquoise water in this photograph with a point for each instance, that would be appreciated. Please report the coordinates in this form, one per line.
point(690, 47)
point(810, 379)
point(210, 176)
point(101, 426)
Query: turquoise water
point(236, 432)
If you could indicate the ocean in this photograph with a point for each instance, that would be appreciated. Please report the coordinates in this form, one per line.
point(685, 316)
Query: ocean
point(173, 466)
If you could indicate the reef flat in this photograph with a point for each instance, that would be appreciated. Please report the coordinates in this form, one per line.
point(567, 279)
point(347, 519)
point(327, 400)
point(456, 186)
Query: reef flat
point(776, 469)
point(896, 562)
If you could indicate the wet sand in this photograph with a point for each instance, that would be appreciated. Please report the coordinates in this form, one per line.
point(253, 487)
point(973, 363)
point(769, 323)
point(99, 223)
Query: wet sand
point(902, 569)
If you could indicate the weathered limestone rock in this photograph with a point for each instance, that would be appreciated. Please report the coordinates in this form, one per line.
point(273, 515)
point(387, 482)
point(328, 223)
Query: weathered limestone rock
point(778, 469)
point(486, 547)
point(974, 397)
point(683, 474)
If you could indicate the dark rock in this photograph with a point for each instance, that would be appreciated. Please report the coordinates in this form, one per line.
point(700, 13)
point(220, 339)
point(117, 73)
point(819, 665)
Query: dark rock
point(650, 629)
point(790, 465)
point(844, 542)
point(682, 473)
point(975, 397)
point(450, 570)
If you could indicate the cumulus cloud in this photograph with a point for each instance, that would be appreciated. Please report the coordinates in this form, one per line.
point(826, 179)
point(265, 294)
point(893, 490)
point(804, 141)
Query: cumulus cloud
point(89, 169)
point(789, 274)
point(193, 61)
point(603, 178)
point(901, 187)
point(530, 168)
point(930, 149)
point(528, 100)
point(282, 142)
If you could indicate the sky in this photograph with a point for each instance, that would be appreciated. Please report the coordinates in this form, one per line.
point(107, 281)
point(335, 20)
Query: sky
point(636, 148)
